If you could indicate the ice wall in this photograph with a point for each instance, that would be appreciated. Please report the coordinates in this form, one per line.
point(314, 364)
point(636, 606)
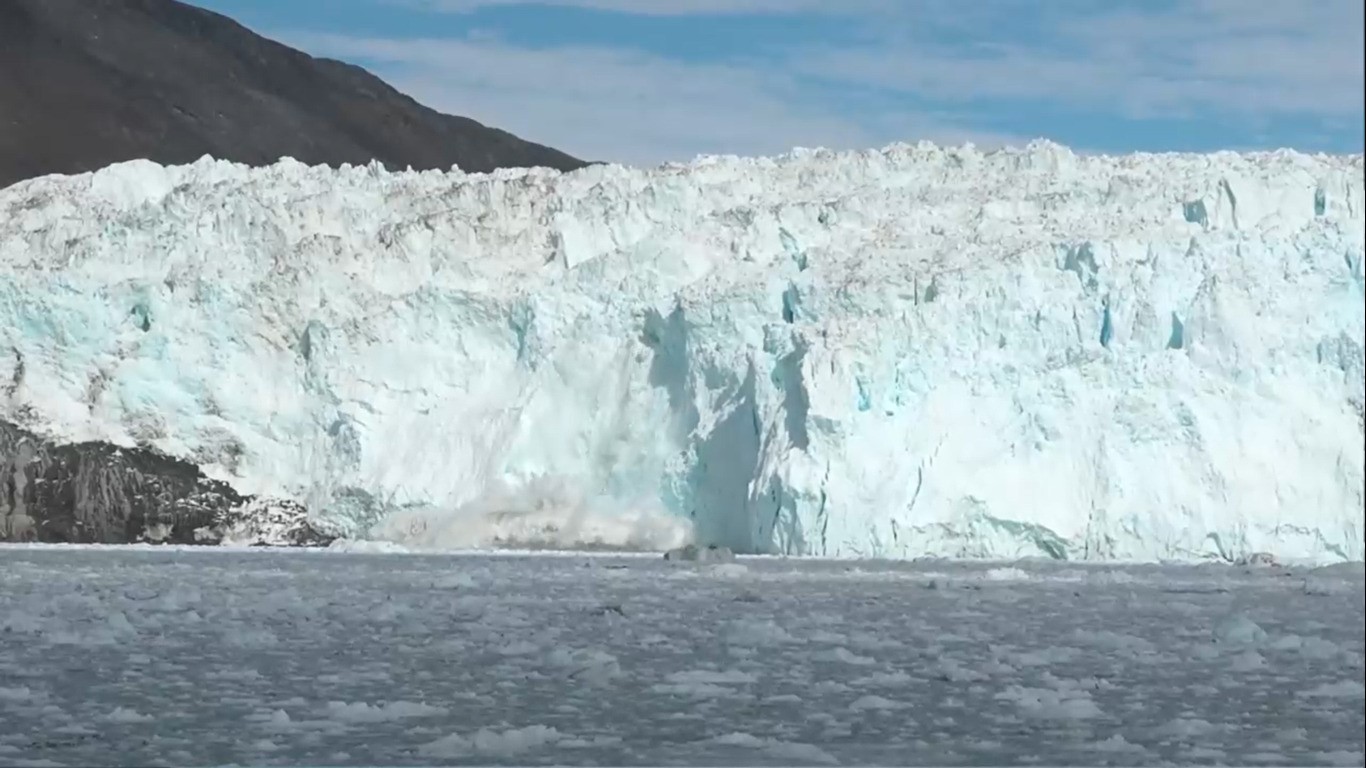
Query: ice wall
point(913, 351)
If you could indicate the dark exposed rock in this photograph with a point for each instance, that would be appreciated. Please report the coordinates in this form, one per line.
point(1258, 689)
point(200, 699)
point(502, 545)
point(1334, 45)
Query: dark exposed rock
point(96, 493)
point(270, 523)
point(86, 83)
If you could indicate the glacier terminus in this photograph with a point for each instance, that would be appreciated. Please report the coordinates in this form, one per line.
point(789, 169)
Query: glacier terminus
point(915, 351)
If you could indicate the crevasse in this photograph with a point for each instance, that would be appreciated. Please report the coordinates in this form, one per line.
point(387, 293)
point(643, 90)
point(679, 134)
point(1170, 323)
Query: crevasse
point(896, 353)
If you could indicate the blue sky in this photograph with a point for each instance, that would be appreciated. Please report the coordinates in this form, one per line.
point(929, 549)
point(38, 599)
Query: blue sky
point(645, 81)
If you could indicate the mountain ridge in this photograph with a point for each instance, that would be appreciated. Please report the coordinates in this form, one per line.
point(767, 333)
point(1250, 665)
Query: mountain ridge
point(94, 82)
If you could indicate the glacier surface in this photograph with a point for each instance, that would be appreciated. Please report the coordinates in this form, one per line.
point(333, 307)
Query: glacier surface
point(896, 353)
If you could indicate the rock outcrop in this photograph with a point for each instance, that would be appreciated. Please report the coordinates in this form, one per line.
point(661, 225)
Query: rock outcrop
point(96, 493)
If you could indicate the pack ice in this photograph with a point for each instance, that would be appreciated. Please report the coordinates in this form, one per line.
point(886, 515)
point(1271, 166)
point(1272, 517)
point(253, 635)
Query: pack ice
point(897, 353)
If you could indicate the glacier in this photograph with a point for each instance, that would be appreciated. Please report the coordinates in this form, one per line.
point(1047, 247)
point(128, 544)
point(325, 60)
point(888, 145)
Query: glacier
point(908, 352)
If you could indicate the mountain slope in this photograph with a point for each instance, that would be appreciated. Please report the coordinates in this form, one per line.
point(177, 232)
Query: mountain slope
point(87, 83)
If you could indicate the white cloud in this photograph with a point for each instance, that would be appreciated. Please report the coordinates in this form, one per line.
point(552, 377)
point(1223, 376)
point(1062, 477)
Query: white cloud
point(624, 105)
point(1243, 64)
point(1230, 56)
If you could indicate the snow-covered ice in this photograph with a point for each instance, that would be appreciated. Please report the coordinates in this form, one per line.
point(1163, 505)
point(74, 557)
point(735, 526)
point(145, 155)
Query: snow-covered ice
point(185, 657)
point(912, 351)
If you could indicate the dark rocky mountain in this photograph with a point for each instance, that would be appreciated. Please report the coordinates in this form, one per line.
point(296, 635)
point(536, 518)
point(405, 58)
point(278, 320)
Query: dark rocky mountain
point(96, 493)
point(86, 83)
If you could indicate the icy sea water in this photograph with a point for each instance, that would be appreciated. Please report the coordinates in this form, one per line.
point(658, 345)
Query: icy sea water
point(189, 657)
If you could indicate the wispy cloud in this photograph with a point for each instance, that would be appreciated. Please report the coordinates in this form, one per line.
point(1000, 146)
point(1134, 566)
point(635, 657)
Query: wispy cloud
point(1205, 55)
point(626, 105)
point(1140, 74)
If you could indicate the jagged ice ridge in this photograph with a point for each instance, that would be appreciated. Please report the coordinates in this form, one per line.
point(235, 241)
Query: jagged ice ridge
point(913, 351)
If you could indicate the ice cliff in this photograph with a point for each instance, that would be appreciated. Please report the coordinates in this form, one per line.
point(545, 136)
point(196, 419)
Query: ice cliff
point(913, 351)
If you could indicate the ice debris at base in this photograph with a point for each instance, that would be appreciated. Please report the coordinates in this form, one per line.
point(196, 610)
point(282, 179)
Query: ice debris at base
point(905, 352)
point(711, 553)
point(1258, 559)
